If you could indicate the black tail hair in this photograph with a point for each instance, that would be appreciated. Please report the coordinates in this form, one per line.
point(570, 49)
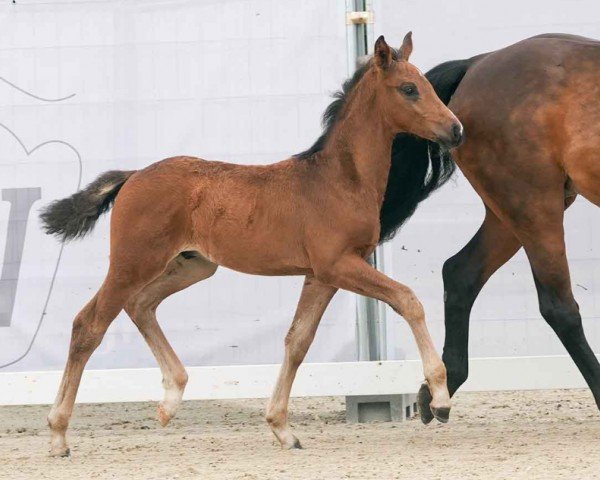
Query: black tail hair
point(419, 167)
point(75, 216)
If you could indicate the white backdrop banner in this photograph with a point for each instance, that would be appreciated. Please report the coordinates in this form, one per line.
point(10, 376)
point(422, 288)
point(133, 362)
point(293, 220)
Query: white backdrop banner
point(87, 87)
point(90, 86)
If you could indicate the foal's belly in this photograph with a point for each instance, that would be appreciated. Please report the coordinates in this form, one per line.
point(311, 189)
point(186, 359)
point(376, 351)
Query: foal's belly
point(269, 251)
point(256, 261)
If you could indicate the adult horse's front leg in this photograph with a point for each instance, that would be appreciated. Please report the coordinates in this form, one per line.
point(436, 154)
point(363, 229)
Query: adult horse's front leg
point(313, 301)
point(464, 275)
point(353, 273)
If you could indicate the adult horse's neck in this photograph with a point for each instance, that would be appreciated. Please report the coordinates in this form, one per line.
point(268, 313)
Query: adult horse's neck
point(361, 143)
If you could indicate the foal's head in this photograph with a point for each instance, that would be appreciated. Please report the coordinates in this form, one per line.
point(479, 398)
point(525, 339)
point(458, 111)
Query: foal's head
point(407, 100)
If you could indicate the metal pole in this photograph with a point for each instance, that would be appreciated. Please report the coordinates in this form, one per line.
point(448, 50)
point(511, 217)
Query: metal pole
point(370, 314)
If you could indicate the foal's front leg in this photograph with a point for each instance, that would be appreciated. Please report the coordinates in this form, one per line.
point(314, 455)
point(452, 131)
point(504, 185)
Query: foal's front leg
point(313, 301)
point(353, 273)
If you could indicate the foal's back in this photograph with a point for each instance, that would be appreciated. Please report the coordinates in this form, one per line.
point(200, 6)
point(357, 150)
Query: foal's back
point(251, 218)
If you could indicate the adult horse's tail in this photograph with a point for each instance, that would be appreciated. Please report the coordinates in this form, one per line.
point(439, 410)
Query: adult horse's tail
point(419, 166)
point(446, 77)
point(75, 216)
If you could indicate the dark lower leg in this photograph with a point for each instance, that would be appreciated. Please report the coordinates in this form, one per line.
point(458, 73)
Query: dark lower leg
point(464, 276)
point(545, 247)
point(561, 311)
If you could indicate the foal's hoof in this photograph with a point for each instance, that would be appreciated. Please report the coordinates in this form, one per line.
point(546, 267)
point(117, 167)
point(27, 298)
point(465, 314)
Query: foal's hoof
point(60, 452)
point(163, 417)
point(423, 400)
point(441, 414)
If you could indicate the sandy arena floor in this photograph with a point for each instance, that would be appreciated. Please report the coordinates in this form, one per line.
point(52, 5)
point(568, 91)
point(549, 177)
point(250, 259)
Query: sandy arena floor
point(524, 435)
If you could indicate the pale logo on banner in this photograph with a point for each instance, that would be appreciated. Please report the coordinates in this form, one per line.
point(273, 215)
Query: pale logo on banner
point(30, 177)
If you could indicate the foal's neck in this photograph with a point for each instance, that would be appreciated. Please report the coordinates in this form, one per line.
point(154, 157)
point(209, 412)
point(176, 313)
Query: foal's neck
point(361, 144)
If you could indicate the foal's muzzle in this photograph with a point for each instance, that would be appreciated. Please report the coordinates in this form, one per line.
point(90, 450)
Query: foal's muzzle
point(454, 137)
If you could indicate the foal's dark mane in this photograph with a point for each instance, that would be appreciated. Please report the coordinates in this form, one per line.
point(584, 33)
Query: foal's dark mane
point(333, 111)
point(419, 167)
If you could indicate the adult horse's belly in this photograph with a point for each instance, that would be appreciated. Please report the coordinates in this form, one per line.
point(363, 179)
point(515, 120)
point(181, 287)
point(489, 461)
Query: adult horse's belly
point(581, 158)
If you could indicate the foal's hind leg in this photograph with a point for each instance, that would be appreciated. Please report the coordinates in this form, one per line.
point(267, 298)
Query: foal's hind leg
point(313, 301)
point(181, 273)
point(89, 328)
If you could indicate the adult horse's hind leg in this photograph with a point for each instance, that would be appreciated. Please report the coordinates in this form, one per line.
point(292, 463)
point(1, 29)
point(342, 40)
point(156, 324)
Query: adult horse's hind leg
point(464, 276)
point(182, 272)
point(89, 328)
point(313, 301)
point(545, 248)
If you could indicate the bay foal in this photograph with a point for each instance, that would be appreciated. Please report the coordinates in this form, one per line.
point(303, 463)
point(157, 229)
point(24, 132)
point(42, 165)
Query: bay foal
point(176, 220)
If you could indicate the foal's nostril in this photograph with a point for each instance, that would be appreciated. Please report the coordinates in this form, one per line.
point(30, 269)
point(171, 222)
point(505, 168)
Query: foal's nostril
point(457, 133)
point(451, 137)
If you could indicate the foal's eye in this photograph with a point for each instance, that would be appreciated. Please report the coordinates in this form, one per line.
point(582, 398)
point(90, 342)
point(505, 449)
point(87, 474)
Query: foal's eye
point(409, 89)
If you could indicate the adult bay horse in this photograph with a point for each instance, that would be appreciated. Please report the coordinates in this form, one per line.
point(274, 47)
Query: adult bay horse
point(316, 215)
point(531, 113)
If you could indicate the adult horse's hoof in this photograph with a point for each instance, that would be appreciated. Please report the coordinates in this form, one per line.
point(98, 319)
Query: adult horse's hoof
point(441, 414)
point(296, 445)
point(293, 444)
point(423, 400)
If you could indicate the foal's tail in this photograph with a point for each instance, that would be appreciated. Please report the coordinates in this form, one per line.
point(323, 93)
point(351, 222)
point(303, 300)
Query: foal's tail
point(75, 216)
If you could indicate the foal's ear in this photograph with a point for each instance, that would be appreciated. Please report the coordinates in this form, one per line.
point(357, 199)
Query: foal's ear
point(406, 48)
point(383, 53)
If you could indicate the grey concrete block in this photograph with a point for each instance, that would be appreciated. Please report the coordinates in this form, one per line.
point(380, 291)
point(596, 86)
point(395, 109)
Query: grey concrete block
point(380, 408)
